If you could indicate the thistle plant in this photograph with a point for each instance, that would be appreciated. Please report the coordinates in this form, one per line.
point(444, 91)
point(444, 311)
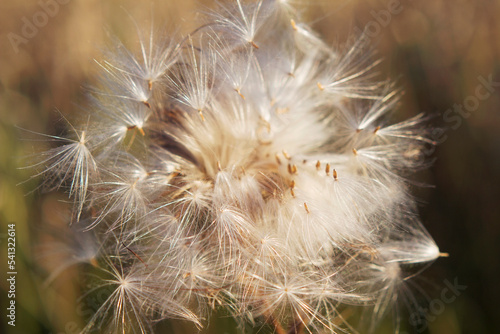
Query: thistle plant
point(246, 166)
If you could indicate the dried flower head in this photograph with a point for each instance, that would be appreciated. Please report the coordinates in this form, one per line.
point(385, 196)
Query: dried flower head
point(247, 166)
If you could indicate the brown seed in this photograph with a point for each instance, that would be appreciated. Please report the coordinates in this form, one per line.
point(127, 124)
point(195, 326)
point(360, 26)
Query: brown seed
point(307, 209)
point(238, 90)
point(201, 115)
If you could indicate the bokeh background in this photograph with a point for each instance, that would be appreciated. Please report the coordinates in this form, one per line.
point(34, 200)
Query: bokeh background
point(439, 51)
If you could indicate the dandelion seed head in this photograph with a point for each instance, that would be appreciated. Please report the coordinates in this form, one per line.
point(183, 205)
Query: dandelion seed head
point(249, 166)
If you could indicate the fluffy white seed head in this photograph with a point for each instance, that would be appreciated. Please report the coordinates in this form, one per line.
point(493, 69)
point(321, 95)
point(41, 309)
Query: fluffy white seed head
point(248, 166)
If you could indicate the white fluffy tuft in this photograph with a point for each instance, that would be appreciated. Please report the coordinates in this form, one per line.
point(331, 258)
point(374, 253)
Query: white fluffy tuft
point(248, 166)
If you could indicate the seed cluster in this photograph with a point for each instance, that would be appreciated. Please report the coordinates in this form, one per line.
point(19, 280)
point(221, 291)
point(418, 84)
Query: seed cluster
point(247, 166)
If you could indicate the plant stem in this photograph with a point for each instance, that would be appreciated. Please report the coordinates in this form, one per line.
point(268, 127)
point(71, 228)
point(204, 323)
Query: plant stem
point(273, 322)
point(297, 327)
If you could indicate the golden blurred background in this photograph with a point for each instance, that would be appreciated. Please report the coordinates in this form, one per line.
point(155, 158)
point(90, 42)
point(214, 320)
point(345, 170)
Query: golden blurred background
point(444, 54)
